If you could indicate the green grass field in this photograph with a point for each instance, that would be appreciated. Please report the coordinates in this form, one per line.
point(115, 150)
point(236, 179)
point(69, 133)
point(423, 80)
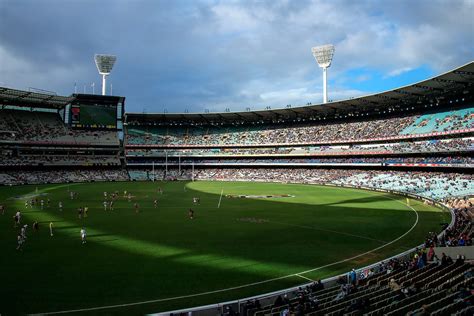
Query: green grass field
point(160, 254)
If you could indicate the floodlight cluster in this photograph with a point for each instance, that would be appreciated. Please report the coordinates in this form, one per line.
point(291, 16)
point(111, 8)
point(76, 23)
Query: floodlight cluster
point(323, 55)
point(104, 63)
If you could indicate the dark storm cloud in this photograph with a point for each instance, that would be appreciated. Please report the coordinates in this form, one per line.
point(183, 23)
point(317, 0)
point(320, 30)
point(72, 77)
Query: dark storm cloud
point(215, 54)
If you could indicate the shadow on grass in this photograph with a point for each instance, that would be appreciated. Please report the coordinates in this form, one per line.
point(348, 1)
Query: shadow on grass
point(219, 251)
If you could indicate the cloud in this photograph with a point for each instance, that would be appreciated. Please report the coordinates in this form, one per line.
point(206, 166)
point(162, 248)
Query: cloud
point(217, 54)
point(398, 71)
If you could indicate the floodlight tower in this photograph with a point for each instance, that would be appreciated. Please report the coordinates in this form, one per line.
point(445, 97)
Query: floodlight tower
point(104, 65)
point(323, 55)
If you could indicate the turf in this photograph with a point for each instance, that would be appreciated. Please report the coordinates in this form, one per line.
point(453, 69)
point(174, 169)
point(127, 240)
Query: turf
point(160, 253)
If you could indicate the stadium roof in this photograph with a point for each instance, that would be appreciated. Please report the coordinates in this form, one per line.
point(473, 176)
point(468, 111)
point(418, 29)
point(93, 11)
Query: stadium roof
point(436, 90)
point(459, 81)
point(32, 99)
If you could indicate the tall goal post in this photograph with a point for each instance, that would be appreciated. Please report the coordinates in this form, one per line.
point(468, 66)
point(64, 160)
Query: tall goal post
point(220, 199)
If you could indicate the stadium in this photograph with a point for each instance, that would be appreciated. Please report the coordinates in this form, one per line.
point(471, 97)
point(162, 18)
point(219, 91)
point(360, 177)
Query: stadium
point(358, 206)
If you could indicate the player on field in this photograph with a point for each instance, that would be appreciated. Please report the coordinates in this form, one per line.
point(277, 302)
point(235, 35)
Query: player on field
point(137, 208)
point(60, 205)
point(2, 209)
point(51, 229)
point(79, 212)
point(191, 213)
point(48, 203)
point(105, 205)
point(35, 226)
point(86, 210)
point(42, 204)
point(23, 231)
point(111, 205)
point(129, 197)
point(19, 241)
point(83, 235)
point(17, 218)
point(155, 203)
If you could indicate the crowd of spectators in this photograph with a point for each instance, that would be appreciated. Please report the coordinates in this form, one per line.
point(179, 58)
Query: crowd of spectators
point(410, 285)
point(461, 233)
point(427, 146)
point(434, 185)
point(442, 121)
point(268, 134)
point(299, 132)
point(47, 127)
point(61, 176)
point(58, 160)
point(454, 160)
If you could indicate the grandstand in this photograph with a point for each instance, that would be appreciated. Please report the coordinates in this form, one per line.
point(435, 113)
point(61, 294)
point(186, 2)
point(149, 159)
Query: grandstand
point(416, 140)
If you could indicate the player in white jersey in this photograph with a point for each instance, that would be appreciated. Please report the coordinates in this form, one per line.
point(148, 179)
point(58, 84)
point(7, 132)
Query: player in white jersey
point(83, 235)
point(17, 218)
point(105, 205)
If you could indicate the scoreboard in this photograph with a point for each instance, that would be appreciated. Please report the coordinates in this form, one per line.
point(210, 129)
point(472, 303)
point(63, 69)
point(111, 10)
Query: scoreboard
point(96, 112)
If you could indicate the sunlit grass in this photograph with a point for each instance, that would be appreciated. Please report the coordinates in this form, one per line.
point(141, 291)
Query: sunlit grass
point(161, 253)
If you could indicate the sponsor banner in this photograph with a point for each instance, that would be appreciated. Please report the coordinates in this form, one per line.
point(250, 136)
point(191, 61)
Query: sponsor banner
point(429, 165)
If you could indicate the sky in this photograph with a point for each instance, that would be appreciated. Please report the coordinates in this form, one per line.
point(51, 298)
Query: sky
point(196, 56)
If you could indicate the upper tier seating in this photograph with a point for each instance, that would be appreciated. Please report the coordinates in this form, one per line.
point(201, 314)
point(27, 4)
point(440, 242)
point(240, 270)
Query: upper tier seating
point(47, 127)
point(265, 134)
point(442, 122)
point(299, 132)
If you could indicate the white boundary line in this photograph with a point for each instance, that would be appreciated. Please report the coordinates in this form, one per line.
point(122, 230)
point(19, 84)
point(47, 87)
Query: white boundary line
point(303, 277)
point(244, 285)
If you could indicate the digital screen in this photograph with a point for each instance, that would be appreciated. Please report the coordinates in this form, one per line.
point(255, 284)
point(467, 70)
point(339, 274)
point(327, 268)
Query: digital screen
point(94, 116)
